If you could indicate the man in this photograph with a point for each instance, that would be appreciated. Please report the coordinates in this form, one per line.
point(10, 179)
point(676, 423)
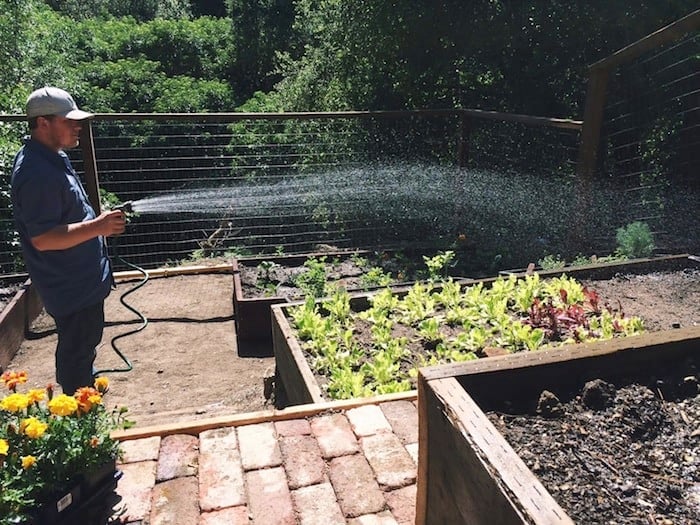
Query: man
point(62, 238)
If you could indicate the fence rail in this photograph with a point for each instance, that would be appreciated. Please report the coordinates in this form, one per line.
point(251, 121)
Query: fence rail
point(215, 184)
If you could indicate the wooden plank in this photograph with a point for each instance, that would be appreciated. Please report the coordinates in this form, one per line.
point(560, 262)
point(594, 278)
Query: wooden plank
point(665, 35)
point(653, 341)
point(248, 418)
point(483, 480)
point(299, 382)
point(15, 320)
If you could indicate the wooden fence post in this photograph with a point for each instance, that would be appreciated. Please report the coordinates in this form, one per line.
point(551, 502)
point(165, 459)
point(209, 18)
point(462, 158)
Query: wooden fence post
point(87, 145)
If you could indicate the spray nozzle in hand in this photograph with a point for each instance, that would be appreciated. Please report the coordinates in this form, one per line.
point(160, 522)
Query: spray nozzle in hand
point(126, 207)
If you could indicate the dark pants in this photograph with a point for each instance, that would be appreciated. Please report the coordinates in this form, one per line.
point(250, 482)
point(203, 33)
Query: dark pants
point(78, 336)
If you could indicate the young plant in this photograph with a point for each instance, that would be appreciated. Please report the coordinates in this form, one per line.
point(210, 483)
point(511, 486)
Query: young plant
point(635, 240)
point(438, 264)
point(375, 277)
point(313, 281)
point(266, 279)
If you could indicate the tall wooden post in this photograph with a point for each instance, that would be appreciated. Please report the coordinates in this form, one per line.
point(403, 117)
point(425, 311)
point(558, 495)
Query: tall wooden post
point(588, 152)
point(92, 184)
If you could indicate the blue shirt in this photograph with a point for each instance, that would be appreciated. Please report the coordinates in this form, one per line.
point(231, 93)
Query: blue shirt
point(46, 193)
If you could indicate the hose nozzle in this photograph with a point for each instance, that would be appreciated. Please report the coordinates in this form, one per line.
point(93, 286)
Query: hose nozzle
point(126, 207)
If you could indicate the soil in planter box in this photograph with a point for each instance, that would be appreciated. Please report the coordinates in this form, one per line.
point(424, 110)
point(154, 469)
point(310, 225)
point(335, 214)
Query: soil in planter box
point(617, 454)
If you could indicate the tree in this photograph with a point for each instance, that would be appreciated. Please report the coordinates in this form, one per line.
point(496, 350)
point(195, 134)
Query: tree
point(260, 30)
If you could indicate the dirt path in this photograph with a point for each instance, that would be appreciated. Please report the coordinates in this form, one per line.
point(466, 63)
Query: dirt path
point(185, 362)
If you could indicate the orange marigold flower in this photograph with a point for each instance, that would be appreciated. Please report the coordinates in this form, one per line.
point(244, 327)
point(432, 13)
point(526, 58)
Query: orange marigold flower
point(94, 442)
point(28, 462)
point(87, 397)
point(15, 402)
point(4, 447)
point(63, 405)
point(12, 379)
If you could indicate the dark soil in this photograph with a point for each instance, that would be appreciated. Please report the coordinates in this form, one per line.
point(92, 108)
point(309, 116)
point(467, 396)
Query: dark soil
point(617, 454)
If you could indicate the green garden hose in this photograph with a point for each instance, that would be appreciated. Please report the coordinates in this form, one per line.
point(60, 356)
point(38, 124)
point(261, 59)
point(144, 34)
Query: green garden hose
point(144, 322)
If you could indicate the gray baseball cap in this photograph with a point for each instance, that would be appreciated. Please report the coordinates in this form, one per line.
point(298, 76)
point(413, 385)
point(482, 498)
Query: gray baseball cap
point(54, 101)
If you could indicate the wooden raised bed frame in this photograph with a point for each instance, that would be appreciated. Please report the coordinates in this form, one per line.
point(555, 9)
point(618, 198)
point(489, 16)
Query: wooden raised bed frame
point(253, 318)
point(467, 472)
point(15, 320)
point(295, 376)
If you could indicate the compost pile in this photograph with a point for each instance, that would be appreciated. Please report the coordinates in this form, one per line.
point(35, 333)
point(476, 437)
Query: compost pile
point(617, 454)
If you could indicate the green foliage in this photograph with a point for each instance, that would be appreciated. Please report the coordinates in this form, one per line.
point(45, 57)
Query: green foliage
point(635, 240)
point(451, 323)
point(140, 9)
point(439, 264)
point(551, 262)
point(313, 281)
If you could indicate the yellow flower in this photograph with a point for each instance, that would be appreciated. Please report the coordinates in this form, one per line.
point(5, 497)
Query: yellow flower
point(4, 447)
point(63, 405)
point(36, 394)
point(28, 462)
point(15, 402)
point(33, 427)
point(101, 384)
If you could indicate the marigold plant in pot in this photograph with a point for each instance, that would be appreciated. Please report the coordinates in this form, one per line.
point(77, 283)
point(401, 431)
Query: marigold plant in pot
point(56, 451)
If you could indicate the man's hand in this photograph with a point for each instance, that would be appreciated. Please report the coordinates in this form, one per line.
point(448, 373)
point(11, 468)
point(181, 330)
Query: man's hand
point(69, 235)
point(112, 222)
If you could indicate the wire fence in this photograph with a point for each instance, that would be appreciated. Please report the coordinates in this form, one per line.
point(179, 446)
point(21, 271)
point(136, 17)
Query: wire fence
point(217, 185)
point(650, 139)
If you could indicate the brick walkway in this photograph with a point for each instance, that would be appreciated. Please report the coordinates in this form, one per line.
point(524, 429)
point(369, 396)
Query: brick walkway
point(330, 465)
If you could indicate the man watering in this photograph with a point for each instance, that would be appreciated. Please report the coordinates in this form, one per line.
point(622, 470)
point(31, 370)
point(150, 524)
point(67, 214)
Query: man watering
point(62, 238)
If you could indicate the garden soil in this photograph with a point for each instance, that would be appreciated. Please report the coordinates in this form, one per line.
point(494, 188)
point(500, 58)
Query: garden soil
point(186, 364)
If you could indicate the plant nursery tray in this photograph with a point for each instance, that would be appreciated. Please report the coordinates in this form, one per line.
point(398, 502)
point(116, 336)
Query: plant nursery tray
point(296, 379)
point(467, 471)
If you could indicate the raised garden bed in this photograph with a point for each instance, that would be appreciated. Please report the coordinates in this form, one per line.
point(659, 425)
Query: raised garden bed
point(301, 384)
point(260, 282)
point(15, 318)
point(469, 473)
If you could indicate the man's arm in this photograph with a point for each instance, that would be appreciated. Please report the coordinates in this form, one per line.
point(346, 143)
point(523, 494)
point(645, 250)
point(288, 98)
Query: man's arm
point(67, 236)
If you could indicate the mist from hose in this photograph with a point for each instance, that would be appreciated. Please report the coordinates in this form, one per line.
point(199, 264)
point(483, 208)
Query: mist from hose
point(491, 208)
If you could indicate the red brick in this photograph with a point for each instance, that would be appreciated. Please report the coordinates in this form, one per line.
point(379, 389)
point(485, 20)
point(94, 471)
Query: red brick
point(175, 502)
point(227, 516)
point(403, 418)
point(334, 435)
point(220, 471)
point(354, 484)
point(136, 450)
point(179, 456)
point(269, 499)
point(316, 505)
point(402, 503)
point(389, 459)
point(259, 447)
point(135, 489)
point(293, 427)
point(367, 420)
point(302, 461)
